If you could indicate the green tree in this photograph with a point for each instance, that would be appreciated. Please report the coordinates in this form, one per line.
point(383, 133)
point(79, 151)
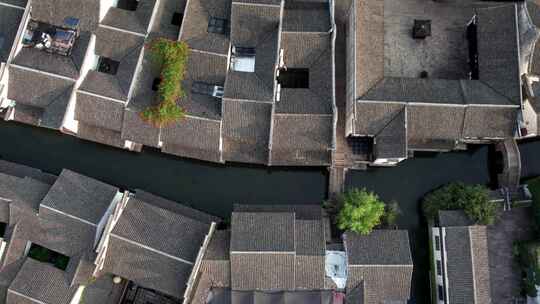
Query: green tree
point(360, 211)
point(391, 213)
point(172, 57)
point(473, 199)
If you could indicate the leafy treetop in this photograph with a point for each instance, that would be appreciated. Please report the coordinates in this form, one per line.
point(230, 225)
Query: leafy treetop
point(360, 211)
point(172, 57)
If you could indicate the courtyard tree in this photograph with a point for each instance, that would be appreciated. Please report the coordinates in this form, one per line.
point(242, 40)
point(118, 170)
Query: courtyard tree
point(172, 57)
point(472, 199)
point(360, 211)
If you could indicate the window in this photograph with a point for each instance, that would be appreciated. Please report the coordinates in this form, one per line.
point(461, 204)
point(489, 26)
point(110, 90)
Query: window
point(155, 84)
point(107, 65)
point(437, 243)
point(439, 268)
point(440, 292)
point(45, 255)
point(177, 19)
point(207, 89)
point(128, 5)
point(294, 78)
point(243, 59)
point(218, 26)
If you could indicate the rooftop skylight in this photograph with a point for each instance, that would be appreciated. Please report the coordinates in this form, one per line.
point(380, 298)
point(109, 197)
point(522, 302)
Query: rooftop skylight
point(107, 65)
point(294, 78)
point(243, 59)
point(218, 26)
point(46, 255)
point(129, 5)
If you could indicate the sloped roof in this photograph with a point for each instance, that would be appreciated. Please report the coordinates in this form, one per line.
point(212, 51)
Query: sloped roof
point(262, 232)
point(154, 247)
point(80, 196)
point(195, 23)
point(380, 247)
point(375, 285)
point(391, 141)
point(306, 16)
point(135, 21)
point(254, 26)
point(467, 266)
point(66, 66)
point(174, 234)
point(99, 112)
point(262, 271)
point(193, 137)
point(301, 139)
point(310, 51)
point(54, 12)
point(40, 282)
point(246, 130)
point(20, 170)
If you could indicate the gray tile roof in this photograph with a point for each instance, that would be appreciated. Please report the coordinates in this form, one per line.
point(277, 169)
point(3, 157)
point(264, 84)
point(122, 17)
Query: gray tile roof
point(301, 212)
point(309, 272)
point(309, 238)
point(378, 79)
point(246, 130)
point(257, 27)
point(42, 282)
point(437, 124)
point(467, 264)
point(163, 26)
point(380, 247)
point(27, 114)
point(499, 55)
point(195, 25)
point(262, 232)
point(137, 130)
point(20, 170)
point(491, 122)
point(80, 196)
point(54, 12)
point(301, 139)
point(25, 193)
point(373, 117)
point(306, 16)
point(100, 135)
point(60, 233)
point(219, 246)
point(136, 21)
point(10, 18)
point(375, 285)
point(99, 112)
point(103, 84)
point(449, 218)
point(209, 69)
point(193, 137)
point(146, 268)
point(391, 141)
point(34, 89)
point(268, 271)
point(67, 66)
point(311, 51)
point(175, 207)
point(175, 234)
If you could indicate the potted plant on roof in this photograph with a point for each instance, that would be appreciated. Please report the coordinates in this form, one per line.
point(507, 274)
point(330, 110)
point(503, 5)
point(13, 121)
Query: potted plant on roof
point(172, 57)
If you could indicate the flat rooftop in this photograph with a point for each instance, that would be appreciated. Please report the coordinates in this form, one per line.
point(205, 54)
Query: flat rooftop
point(443, 55)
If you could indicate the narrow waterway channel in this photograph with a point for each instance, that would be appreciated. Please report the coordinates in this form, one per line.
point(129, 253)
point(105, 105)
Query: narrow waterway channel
point(215, 188)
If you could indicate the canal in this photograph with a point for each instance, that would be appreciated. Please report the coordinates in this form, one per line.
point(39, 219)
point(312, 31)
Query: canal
point(215, 188)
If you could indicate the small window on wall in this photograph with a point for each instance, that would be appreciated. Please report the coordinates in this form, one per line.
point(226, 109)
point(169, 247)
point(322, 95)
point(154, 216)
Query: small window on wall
point(177, 19)
point(128, 5)
point(107, 65)
point(440, 290)
point(439, 267)
point(437, 243)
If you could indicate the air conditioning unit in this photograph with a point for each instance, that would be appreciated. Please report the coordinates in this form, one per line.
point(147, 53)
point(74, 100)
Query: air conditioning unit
point(218, 92)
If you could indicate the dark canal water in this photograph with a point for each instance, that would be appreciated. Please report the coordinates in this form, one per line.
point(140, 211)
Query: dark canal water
point(215, 188)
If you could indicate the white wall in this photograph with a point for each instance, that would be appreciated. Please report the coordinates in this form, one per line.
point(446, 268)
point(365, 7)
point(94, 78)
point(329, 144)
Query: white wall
point(104, 7)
